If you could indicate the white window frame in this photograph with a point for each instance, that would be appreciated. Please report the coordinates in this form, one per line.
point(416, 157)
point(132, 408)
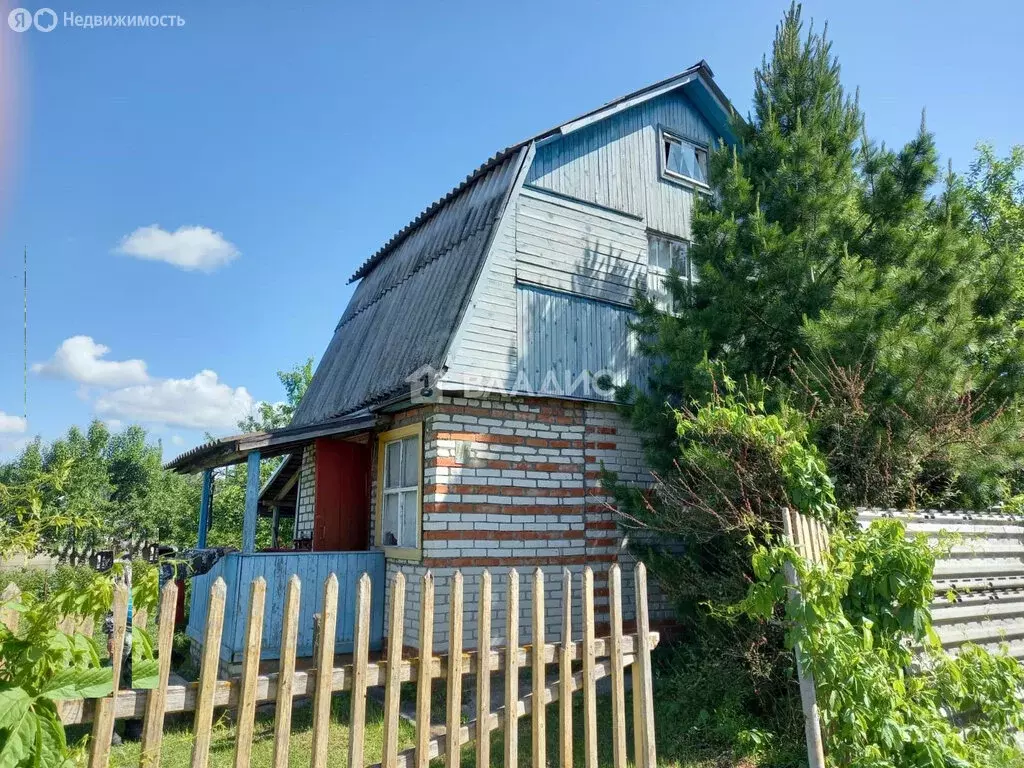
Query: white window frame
point(666, 137)
point(402, 549)
point(657, 274)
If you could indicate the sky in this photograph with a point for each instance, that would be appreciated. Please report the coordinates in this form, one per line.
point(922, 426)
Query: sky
point(195, 198)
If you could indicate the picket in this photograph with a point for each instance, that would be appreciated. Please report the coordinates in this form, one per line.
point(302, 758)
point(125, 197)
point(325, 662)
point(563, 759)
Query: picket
point(286, 673)
point(153, 724)
point(203, 724)
point(598, 658)
point(103, 725)
point(250, 672)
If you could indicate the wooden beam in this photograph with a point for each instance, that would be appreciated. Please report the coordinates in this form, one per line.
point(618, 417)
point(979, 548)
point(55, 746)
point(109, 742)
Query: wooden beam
point(204, 508)
point(252, 495)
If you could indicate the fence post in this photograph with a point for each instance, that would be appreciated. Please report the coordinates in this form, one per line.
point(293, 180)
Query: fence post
point(208, 674)
point(617, 667)
point(360, 657)
point(324, 672)
point(512, 670)
point(565, 674)
point(103, 726)
point(153, 725)
point(483, 673)
point(246, 713)
point(453, 721)
point(795, 527)
point(539, 741)
point(645, 753)
point(589, 692)
point(425, 672)
point(392, 679)
point(286, 672)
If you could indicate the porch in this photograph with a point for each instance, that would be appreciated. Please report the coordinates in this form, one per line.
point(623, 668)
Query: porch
point(337, 542)
point(239, 570)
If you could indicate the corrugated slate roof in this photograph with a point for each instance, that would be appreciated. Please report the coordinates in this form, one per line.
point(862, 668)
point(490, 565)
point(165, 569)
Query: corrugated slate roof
point(414, 289)
point(408, 305)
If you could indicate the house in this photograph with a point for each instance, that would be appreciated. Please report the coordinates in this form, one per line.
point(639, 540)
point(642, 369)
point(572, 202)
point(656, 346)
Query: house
point(457, 419)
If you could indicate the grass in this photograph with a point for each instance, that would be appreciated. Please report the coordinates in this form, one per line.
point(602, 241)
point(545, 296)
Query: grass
point(177, 743)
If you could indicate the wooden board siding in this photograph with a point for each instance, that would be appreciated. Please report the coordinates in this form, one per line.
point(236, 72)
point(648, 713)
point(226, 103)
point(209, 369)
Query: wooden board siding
point(614, 163)
point(579, 249)
point(562, 336)
point(239, 570)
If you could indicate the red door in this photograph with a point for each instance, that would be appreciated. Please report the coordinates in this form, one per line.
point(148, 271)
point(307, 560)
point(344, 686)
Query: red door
point(342, 511)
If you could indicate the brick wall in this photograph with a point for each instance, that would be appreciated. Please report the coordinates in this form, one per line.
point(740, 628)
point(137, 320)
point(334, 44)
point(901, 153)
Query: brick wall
point(305, 502)
point(514, 482)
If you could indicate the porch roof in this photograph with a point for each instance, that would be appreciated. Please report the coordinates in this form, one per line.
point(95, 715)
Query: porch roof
point(234, 450)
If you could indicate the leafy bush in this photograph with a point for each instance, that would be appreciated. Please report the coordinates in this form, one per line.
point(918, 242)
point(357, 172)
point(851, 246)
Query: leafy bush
point(42, 583)
point(863, 623)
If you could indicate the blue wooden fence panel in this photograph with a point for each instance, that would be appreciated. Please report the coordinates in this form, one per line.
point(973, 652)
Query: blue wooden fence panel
point(312, 568)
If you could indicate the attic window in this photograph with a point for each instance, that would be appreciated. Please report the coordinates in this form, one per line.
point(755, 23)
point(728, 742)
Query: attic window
point(663, 255)
point(683, 160)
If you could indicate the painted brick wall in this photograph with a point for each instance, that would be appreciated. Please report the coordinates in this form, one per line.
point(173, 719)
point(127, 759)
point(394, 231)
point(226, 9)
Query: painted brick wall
point(514, 482)
point(304, 504)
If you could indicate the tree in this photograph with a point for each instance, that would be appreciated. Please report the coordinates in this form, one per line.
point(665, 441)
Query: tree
point(275, 415)
point(829, 271)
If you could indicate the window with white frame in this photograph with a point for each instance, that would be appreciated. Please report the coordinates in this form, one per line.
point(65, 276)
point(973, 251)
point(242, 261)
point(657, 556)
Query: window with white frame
point(682, 159)
point(400, 474)
point(665, 254)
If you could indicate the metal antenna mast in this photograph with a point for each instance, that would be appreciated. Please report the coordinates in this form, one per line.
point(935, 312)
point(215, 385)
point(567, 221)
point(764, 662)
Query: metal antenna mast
point(25, 315)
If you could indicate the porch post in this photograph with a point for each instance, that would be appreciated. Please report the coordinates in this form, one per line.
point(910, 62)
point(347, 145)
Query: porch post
point(252, 492)
point(204, 507)
point(277, 526)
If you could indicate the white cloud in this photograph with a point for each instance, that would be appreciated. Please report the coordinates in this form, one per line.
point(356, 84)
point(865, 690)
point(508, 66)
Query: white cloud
point(78, 359)
point(114, 425)
point(177, 440)
point(202, 402)
point(9, 423)
point(190, 248)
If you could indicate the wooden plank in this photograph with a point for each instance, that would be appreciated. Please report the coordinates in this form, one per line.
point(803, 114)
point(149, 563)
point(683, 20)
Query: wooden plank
point(183, 698)
point(466, 733)
point(539, 742)
point(483, 672)
point(153, 724)
point(9, 617)
point(103, 725)
point(289, 639)
point(392, 684)
point(618, 681)
point(512, 670)
point(424, 675)
point(565, 675)
point(252, 493)
point(324, 672)
point(453, 720)
point(589, 685)
point(643, 682)
point(203, 723)
point(246, 713)
point(360, 658)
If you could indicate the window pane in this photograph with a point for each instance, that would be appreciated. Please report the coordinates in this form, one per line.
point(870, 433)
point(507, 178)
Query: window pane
point(389, 521)
point(653, 245)
point(679, 258)
point(701, 165)
point(410, 519)
point(393, 464)
point(410, 461)
point(676, 162)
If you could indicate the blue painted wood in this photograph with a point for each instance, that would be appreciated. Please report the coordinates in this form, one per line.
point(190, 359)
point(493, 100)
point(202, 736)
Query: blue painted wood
point(239, 569)
point(204, 507)
point(252, 496)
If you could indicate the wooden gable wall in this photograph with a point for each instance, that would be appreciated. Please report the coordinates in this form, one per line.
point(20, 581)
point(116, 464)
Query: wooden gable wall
point(571, 247)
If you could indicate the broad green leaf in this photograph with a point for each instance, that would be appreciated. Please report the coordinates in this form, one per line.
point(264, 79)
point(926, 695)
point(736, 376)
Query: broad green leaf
point(78, 683)
point(145, 673)
point(14, 702)
point(20, 740)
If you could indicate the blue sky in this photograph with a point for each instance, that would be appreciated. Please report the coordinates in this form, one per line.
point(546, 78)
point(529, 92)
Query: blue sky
point(291, 142)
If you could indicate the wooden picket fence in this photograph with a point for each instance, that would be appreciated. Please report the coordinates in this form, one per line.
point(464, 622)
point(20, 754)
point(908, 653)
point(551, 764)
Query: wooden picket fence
point(580, 665)
point(810, 538)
